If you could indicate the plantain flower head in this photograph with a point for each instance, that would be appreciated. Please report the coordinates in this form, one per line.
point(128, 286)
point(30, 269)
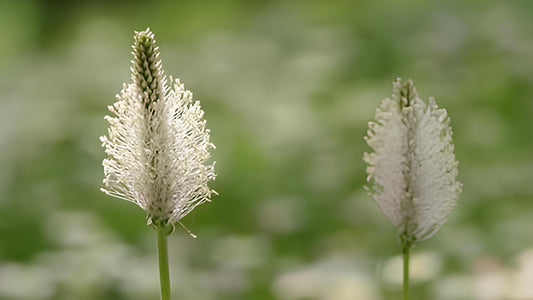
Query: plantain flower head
point(157, 143)
point(412, 171)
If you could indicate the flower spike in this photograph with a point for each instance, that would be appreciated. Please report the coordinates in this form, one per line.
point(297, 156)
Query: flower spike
point(157, 143)
point(412, 171)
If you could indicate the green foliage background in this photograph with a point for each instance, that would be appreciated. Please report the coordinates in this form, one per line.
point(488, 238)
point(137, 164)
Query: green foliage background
point(288, 88)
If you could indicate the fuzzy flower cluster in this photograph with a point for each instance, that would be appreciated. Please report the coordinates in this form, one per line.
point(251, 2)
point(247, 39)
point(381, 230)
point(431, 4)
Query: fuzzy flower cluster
point(412, 171)
point(157, 144)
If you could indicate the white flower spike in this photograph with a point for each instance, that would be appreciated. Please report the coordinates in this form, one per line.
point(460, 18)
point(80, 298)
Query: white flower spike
point(412, 171)
point(157, 143)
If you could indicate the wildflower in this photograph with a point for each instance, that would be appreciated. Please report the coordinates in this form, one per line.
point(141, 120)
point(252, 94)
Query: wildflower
point(157, 143)
point(412, 171)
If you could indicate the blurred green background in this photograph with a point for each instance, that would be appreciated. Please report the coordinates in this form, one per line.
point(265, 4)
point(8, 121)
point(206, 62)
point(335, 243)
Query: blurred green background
point(288, 88)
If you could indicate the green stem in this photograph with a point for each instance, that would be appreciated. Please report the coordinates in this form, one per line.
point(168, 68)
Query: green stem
point(406, 246)
point(162, 251)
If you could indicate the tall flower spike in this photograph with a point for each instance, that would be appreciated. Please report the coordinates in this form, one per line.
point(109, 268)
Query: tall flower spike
point(412, 170)
point(157, 143)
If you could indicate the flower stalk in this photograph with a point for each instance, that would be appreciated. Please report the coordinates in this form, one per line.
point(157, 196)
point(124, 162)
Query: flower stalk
point(162, 251)
point(406, 248)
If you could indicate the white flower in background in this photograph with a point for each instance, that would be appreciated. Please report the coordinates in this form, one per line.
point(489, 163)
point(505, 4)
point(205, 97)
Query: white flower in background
point(157, 143)
point(412, 170)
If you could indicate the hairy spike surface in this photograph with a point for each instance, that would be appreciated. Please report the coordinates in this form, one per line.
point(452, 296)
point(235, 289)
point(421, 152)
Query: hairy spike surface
point(157, 143)
point(412, 171)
